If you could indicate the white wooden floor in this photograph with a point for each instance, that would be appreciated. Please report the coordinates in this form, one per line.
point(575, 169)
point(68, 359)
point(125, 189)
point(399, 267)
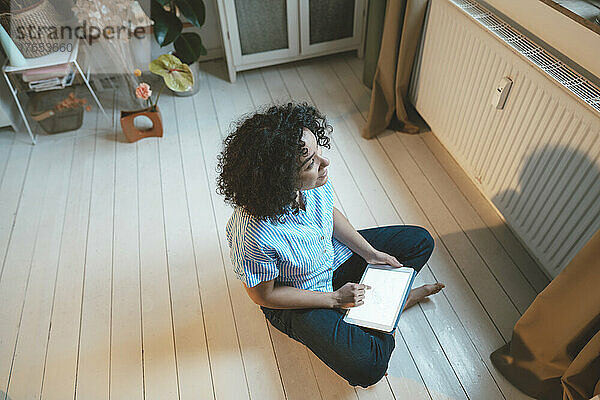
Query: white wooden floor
point(116, 280)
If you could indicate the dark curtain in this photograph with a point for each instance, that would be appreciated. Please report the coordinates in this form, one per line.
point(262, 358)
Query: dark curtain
point(394, 46)
point(555, 348)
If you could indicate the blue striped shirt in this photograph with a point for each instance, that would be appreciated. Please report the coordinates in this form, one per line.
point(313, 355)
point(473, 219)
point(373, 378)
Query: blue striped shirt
point(300, 251)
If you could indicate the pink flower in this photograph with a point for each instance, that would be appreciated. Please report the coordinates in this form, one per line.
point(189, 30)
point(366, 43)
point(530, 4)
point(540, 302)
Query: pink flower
point(143, 91)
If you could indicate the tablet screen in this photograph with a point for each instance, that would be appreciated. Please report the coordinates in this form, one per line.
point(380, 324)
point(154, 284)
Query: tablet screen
point(383, 299)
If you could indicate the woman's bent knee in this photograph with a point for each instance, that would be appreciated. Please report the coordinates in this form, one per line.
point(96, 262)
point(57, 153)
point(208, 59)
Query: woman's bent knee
point(423, 249)
point(370, 366)
point(370, 375)
point(431, 241)
point(426, 241)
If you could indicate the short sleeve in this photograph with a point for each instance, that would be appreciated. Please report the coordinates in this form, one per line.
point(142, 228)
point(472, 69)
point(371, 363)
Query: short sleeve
point(251, 263)
point(252, 272)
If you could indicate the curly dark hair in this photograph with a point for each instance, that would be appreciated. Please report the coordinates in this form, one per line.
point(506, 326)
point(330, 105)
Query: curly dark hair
point(259, 166)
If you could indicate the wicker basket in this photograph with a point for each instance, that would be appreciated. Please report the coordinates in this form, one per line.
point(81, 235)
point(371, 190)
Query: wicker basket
point(41, 14)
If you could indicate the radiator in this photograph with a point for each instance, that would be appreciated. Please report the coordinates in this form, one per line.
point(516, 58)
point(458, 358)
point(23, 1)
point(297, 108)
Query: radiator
point(538, 159)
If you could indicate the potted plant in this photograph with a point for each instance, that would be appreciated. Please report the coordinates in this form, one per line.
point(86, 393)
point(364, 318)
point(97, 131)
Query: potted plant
point(176, 75)
point(168, 29)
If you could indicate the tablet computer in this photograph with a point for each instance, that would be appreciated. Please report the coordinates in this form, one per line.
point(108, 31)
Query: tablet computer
point(385, 300)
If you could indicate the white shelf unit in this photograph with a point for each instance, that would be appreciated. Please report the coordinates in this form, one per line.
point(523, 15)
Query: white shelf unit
point(259, 33)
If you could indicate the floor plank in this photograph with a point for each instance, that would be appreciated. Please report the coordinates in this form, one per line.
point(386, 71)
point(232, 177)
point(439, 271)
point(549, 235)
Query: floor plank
point(93, 367)
point(160, 369)
point(126, 351)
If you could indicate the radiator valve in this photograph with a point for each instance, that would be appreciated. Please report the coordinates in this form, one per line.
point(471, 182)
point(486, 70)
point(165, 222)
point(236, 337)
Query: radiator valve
point(501, 92)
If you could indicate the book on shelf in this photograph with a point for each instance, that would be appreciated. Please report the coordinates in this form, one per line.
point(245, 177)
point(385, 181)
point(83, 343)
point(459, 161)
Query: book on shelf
point(50, 83)
point(40, 74)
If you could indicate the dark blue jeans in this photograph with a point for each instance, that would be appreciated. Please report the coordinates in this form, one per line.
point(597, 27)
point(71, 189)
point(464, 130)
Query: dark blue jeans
point(359, 355)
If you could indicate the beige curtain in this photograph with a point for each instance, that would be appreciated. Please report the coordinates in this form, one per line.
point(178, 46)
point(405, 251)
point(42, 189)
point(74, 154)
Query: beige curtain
point(555, 348)
point(401, 33)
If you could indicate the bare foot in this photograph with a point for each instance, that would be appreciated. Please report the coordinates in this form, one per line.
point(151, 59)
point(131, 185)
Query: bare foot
point(422, 292)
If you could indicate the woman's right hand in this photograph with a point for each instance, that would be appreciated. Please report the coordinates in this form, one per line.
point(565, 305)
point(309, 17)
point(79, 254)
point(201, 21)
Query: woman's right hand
point(350, 295)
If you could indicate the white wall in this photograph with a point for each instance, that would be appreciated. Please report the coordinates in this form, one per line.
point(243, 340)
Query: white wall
point(574, 40)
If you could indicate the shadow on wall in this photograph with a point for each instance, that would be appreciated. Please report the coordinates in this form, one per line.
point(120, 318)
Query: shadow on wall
point(556, 202)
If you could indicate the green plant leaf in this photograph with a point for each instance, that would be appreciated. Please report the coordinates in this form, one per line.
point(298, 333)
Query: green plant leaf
point(193, 10)
point(177, 75)
point(189, 47)
point(167, 27)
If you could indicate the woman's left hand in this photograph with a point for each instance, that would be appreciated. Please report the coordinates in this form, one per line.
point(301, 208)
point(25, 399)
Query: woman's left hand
point(379, 257)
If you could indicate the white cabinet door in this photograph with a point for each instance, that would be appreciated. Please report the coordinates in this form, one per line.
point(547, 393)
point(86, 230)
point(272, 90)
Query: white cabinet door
point(262, 30)
point(330, 25)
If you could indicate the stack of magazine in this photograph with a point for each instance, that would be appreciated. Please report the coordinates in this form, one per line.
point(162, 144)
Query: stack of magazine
point(49, 78)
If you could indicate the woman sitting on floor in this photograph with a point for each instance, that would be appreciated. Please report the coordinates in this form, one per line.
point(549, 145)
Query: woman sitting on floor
point(297, 255)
